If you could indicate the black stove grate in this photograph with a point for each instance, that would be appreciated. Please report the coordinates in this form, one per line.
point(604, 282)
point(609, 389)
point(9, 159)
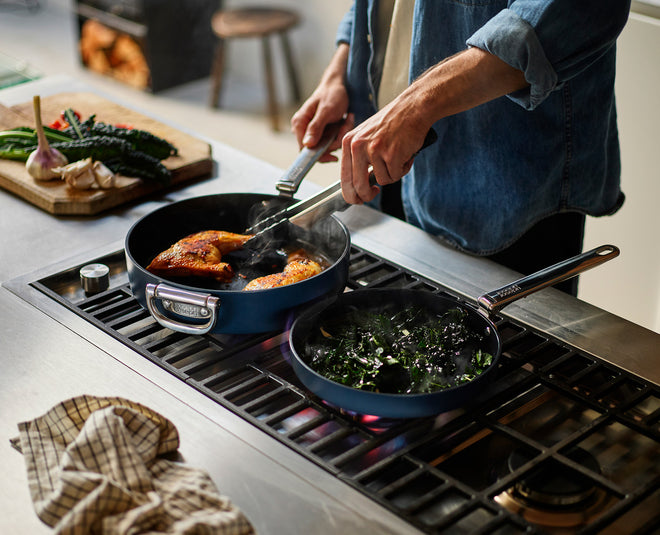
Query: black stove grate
point(446, 474)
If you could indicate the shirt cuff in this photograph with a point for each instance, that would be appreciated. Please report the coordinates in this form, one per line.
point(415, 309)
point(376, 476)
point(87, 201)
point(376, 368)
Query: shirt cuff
point(345, 29)
point(514, 41)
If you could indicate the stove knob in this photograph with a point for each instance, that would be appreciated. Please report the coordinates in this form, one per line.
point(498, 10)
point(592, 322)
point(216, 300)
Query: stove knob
point(94, 278)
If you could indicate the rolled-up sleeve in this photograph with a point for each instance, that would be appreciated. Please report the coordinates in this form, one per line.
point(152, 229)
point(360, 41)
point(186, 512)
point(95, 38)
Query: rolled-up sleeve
point(345, 28)
point(551, 41)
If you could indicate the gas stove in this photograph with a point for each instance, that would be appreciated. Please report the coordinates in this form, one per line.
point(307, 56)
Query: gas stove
point(560, 442)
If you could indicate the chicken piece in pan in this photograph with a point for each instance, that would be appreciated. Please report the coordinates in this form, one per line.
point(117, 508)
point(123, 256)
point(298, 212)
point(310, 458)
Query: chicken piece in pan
point(299, 267)
point(199, 254)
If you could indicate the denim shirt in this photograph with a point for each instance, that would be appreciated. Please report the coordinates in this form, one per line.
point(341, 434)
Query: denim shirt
point(499, 168)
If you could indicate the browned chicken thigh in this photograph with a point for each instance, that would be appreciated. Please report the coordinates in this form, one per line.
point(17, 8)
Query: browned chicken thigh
point(199, 254)
point(299, 267)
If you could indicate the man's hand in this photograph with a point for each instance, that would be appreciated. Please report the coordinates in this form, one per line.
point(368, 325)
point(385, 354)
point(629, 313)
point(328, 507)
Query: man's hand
point(327, 104)
point(386, 143)
point(388, 140)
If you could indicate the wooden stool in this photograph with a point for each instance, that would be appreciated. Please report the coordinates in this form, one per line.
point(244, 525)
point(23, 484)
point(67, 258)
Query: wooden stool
point(255, 22)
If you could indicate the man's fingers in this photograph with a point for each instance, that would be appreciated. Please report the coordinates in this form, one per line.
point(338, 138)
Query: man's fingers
point(313, 133)
point(361, 169)
point(301, 120)
point(381, 172)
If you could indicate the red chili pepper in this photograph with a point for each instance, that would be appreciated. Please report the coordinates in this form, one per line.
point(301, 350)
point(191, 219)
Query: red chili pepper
point(59, 124)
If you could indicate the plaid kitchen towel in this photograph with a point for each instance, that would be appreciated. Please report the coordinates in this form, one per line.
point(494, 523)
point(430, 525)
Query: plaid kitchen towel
point(96, 465)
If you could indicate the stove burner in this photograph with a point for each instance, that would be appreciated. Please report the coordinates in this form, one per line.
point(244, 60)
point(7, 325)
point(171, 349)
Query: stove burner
point(555, 495)
point(556, 485)
point(370, 421)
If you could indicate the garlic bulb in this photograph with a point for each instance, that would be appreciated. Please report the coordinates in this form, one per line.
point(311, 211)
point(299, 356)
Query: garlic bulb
point(40, 163)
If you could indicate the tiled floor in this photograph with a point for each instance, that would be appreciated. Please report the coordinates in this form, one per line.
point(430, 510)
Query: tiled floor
point(45, 40)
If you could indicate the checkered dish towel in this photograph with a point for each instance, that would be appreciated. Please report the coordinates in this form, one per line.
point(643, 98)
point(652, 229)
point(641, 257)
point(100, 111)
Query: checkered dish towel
point(95, 465)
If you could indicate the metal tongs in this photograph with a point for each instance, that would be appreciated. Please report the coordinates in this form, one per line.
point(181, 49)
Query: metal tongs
point(307, 212)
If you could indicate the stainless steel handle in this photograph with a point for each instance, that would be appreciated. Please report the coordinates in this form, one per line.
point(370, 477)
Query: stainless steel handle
point(497, 299)
point(289, 183)
point(323, 204)
point(184, 303)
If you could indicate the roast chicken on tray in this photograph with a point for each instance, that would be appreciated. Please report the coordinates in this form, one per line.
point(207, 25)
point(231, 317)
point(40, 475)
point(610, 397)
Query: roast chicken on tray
point(200, 255)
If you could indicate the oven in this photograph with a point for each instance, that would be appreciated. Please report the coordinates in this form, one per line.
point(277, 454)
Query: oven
point(560, 442)
point(146, 44)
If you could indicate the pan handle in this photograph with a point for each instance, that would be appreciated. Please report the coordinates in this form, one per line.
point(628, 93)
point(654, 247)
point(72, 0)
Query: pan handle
point(183, 303)
point(493, 301)
point(289, 183)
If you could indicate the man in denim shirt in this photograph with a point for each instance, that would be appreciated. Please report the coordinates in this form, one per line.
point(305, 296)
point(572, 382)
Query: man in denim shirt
point(521, 95)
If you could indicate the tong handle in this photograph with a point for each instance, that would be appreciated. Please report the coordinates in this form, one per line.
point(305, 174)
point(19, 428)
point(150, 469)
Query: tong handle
point(321, 205)
point(289, 183)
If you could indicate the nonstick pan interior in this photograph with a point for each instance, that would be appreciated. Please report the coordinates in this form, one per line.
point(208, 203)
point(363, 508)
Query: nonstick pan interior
point(234, 213)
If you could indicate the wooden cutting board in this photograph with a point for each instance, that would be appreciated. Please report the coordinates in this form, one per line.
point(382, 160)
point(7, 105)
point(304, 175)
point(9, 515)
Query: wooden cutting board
point(193, 161)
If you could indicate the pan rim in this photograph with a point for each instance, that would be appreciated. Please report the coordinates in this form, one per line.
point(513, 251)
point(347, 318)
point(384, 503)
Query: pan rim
point(216, 291)
point(311, 376)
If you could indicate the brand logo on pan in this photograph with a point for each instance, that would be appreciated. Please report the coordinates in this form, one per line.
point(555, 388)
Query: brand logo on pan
point(184, 309)
point(509, 290)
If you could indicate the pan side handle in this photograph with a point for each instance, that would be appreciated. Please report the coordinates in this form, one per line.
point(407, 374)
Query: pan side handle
point(183, 303)
point(493, 301)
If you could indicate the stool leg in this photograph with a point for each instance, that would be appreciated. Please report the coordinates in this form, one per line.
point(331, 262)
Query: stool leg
point(270, 85)
point(216, 73)
point(290, 67)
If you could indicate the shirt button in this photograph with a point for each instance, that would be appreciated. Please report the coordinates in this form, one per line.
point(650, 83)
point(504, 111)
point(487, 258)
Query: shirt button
point(368, 38)
point(371, 97)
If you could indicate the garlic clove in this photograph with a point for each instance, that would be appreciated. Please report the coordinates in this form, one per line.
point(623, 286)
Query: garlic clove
point(78, 174)
point(105, 178)
point(74, 168)
point(82, 180)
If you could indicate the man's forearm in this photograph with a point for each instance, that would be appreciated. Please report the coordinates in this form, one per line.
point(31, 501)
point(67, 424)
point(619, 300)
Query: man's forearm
point(336, 69)
point(461, 82)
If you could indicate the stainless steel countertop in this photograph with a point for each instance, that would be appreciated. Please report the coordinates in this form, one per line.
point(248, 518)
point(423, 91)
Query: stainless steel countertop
point(44, 361)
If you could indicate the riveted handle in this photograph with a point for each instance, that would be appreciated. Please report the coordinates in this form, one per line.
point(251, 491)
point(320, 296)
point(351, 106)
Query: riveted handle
point(183, 303)
point(567, 269)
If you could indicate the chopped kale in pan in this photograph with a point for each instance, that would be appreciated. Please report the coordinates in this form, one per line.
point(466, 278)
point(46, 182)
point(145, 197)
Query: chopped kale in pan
point(399, 352)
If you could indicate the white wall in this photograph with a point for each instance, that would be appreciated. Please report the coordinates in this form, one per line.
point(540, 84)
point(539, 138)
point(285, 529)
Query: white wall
point(629, 286)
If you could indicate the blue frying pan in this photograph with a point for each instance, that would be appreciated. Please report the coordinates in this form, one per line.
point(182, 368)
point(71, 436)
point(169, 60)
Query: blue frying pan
point(478, 320)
